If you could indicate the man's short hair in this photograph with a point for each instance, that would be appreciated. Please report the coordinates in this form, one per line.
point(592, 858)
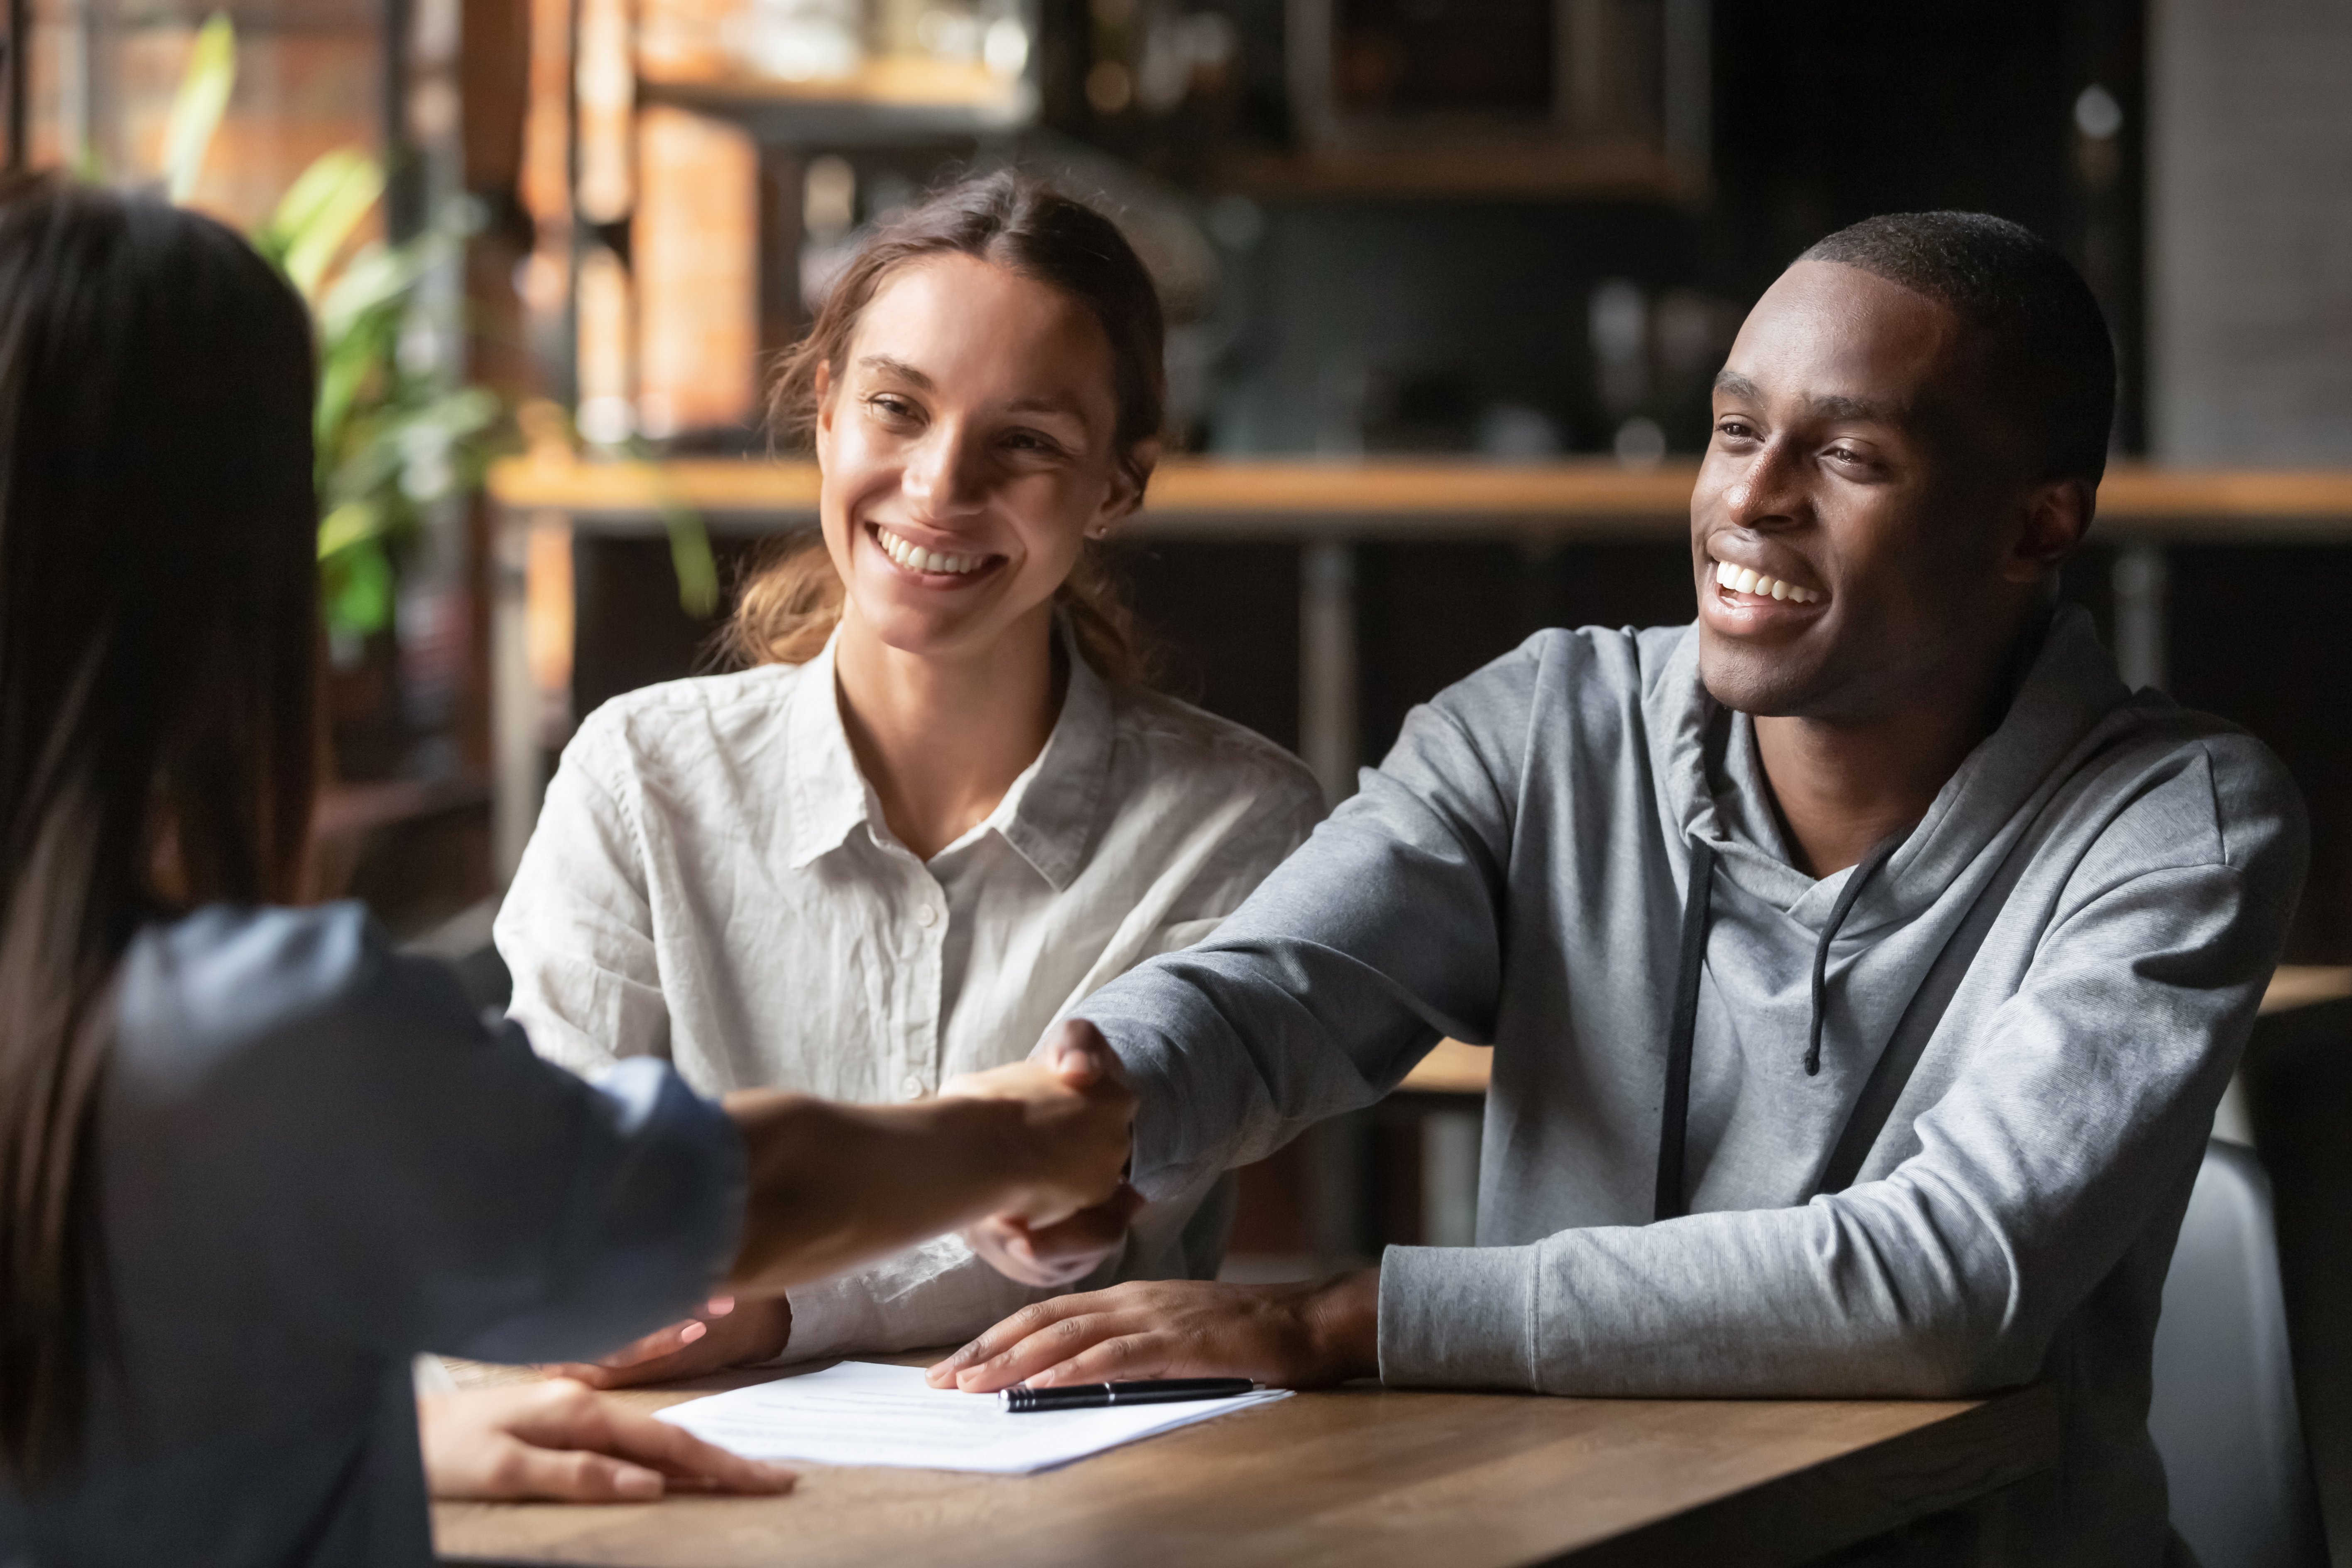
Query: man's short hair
point(2004, 279)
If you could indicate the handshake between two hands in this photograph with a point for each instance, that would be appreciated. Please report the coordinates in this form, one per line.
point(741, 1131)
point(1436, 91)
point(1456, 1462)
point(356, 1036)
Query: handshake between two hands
point(1049, 1186)
point(1067, 1209)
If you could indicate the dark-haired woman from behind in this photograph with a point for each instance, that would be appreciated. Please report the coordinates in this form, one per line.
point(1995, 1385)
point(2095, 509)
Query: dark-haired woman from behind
point(940, 808)
point(251, 1160)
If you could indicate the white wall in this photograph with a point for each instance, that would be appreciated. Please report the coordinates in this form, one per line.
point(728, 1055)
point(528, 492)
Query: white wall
point(2250, 231)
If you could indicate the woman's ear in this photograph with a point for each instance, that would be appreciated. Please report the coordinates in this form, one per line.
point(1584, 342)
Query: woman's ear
point(824, 387)
point(1129, 477)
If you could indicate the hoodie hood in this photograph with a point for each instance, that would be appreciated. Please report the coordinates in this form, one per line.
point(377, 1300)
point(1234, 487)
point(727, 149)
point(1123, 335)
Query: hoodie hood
point(1791, 985)
point(1718, 792)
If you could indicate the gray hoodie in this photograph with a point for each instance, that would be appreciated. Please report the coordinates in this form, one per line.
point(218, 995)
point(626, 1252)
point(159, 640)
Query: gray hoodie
point(1518, 872)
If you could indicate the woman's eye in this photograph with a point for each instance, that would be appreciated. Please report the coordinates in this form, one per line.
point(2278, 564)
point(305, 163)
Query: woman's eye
point(889, 405)
point(1029, 441)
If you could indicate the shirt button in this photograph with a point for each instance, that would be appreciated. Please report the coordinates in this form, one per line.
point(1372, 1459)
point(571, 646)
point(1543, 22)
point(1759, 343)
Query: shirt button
point(911, 1087)
point(925, 916)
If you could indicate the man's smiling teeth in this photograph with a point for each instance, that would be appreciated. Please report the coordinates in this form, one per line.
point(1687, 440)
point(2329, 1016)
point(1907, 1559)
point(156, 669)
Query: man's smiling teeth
point(1740, 580)
point(914, 557)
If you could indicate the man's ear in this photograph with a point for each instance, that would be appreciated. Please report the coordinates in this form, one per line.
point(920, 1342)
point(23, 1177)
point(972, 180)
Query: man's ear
point(1128, 479)
point(2057, 514)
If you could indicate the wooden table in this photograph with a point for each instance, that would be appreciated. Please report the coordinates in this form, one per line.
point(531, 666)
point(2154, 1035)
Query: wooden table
point(1362, 1477)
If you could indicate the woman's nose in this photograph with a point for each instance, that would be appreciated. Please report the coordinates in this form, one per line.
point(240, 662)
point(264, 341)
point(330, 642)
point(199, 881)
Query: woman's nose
point(943, 473)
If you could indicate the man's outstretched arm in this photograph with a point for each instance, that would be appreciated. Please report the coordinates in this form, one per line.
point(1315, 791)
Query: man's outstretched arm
point(1379, 936)
point(2075, 1125)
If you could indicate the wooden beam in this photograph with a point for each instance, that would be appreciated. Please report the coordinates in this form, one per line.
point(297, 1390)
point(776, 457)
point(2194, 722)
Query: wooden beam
point(1424, 498)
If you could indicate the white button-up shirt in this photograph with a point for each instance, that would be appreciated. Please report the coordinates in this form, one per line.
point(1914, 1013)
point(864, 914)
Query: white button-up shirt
point(711, 881)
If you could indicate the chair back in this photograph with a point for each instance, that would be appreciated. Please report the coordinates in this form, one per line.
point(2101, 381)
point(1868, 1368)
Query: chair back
point(2224, 1411)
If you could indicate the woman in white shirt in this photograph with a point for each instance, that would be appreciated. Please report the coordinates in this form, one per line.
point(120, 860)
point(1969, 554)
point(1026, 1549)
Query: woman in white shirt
point(938, 808)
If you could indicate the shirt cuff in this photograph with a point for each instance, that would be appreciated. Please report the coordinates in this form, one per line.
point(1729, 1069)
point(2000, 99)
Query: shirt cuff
point(1457, 1317)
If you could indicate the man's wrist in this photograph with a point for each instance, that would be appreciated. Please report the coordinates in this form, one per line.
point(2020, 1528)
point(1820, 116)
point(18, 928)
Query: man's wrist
point(1343, 1324)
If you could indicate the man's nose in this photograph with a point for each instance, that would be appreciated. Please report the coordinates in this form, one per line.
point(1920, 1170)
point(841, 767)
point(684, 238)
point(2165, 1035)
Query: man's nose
point(1766, 493)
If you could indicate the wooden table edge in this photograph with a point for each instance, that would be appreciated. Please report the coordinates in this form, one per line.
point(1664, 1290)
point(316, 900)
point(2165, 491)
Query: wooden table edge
point(1979, 1448)
point(1793, 1518)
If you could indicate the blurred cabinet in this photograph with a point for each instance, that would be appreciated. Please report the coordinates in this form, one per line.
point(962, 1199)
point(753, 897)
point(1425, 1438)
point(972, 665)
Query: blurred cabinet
point(682, 204)
point(1500, 97)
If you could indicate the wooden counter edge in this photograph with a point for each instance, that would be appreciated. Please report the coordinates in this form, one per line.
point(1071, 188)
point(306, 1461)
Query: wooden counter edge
point(1190, 495)
point(1966, 1458)
point(1454, 1068)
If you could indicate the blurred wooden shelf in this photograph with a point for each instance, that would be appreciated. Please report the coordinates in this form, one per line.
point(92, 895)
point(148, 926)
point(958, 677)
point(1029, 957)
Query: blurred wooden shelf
point(1293, 498)
point(1453, 1068)
point(2306, 984)
point(886, 98)
point(891, 81)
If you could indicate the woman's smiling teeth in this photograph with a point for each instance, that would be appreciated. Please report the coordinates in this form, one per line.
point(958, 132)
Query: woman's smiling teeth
point(1740, 580)
point(914, 557)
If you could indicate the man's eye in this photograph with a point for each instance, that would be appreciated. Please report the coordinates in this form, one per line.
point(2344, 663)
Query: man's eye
point(1734, 429)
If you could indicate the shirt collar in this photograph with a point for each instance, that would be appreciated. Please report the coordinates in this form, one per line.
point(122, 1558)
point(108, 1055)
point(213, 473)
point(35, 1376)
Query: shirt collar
point(1047, 815)
point(828, 797)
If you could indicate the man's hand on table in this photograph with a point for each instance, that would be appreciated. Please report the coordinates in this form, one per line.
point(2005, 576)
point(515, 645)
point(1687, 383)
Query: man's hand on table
point(729, 1332)
point(562, 1441)
point(1290, 1336)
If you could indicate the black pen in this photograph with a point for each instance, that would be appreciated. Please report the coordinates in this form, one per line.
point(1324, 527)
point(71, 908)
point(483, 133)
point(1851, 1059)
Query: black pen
point(1022, 1399)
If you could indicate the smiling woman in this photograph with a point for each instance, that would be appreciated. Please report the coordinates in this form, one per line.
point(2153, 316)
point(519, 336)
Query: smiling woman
point(938, 808)
point(1073, 263)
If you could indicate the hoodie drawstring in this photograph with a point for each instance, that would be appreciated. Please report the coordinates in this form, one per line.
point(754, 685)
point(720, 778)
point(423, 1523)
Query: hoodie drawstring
point(1674, 1118)
point(1846, 895)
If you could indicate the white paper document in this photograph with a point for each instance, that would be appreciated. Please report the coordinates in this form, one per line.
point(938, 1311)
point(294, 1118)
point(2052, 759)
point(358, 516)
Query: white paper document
point(859, 1412)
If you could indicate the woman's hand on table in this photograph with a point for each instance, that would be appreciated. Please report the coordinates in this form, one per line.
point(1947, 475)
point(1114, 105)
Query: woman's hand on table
point(562, 1441)
point(729, 1332)
point(1290, 1336)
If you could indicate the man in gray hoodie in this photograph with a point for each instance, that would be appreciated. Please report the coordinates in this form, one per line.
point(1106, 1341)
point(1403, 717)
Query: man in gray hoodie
point(1863, 963)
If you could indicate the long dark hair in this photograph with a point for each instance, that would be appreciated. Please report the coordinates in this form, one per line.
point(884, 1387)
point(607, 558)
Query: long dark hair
point(157, 645)
point(789, 606)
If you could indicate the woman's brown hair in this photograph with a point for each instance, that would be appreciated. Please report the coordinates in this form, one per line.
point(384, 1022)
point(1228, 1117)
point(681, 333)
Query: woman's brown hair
point(789, 606)
point(158, 638)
